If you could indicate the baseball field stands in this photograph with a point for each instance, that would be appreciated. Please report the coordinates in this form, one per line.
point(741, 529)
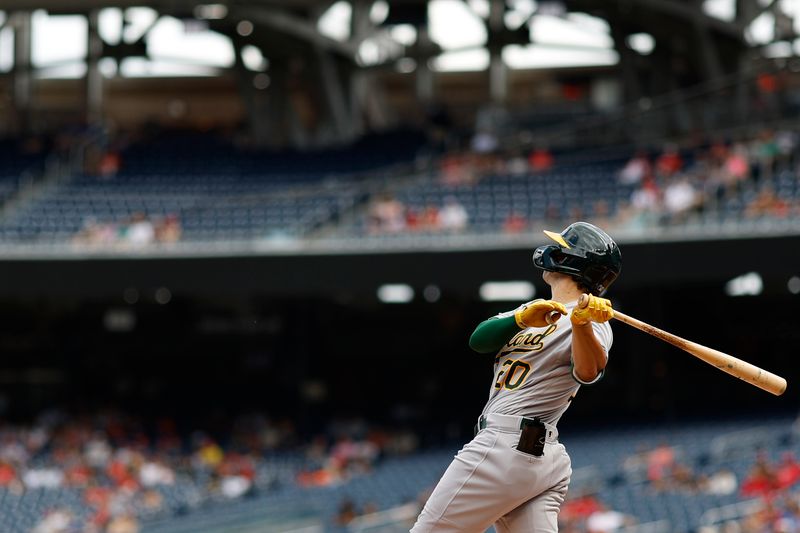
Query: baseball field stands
point(599, 467)
point(222, 193)
point(604, 464)
point(217, 191)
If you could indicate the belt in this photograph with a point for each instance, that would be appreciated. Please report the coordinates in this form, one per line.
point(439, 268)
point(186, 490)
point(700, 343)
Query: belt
point(514, 423)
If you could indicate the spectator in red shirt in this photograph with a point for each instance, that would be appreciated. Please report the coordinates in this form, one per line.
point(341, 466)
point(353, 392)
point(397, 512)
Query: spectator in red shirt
point(540, 160)
point(514, 223)
point(788, 470)
point(761, 480)
point(669, 163)
point(7, 474)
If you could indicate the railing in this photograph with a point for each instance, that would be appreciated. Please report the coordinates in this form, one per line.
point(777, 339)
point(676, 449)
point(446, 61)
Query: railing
point(395, 520)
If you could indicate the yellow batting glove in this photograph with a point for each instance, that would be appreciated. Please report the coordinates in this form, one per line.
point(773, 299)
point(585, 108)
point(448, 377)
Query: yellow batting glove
point(598, 310)
point(534, 314)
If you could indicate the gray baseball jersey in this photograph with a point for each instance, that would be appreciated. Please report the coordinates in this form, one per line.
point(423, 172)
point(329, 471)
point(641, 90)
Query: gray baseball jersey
point(533, 371)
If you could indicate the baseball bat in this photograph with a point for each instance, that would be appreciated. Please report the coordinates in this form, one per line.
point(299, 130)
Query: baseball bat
point(727, 363)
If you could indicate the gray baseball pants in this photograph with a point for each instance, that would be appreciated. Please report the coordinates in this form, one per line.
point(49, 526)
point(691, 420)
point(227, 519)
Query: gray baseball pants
point(490, 483)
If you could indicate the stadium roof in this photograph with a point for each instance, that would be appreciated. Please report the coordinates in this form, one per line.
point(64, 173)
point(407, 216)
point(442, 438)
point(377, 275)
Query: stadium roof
point(531, 34)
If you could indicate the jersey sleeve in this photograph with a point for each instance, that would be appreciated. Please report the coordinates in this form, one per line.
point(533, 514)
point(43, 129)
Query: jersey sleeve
point(602, 332)
point(493, 333)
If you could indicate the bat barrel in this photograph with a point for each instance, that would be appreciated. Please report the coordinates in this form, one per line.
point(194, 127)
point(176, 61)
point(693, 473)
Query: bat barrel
point(727, 363)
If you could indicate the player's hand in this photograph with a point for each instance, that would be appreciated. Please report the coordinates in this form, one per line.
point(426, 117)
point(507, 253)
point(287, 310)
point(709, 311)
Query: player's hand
point(534, 314)
point(597, 310)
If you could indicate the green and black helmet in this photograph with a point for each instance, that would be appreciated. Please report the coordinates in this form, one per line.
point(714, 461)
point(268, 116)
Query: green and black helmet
point(583, 251)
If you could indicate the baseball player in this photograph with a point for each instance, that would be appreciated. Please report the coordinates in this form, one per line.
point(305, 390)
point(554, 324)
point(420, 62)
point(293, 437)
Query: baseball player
point(514, 473)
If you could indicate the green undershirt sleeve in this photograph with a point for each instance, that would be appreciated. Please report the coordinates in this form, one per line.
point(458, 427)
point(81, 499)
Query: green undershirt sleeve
point(492, 334)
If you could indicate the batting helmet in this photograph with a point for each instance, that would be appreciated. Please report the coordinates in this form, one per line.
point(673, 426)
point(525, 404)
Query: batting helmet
point(583, 251)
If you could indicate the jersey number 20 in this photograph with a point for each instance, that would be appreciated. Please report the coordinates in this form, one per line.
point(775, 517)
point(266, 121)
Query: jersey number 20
point(513, 376)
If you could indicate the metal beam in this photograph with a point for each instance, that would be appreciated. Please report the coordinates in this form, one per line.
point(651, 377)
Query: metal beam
point(22, 64)
point(305, 30)
point(94, 79)
point(498, 72)
point(691, 13)
point(165, 6)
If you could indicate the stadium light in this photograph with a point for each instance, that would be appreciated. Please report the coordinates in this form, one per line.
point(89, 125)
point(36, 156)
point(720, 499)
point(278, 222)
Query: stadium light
point(395, 293)
point(505, 291)
point(244, 28)
point(793, 285)
point(432, 293)
point(211, 11)
point(643, 43)
point(163, 296)
point(749, 284)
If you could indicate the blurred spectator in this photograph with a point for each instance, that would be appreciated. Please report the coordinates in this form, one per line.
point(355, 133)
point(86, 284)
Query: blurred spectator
point(660, 462)
point(515, 223)
point(788, 470)
point(765, 153)
point(680, 197)
point(137, 232)
point(787, 144)
point(386, 215)
point(8, 475)
point(429, 218)
point(737, 168)
point(78, 475)
point(577, 510)
point(636, 169)
point(152, 501)
point(56, 521)
point(169, 230)
point(235, 486)
point(484, 142)
point(457, 169)
point(109, 164)
point(125, 523)
point(346, 513)
point(452, 216)
point(669, 162)
point(517, 165)
point(43, 478)
point(140, 231)
point(209, 455)
point(767, 203)
point(682, 477)
point(606, 521)
point(644, 208)
point(540, 160)
point(154, 473)
point(761, 479)
point(722, 482)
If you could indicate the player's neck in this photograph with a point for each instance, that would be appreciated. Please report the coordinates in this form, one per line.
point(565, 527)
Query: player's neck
point(565, 291)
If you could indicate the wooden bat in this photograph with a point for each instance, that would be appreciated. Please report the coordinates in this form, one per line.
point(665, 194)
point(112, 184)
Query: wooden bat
point(722, 361)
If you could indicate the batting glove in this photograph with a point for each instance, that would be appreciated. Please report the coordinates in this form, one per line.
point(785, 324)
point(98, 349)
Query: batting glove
point(597, 310)
point(534, 314)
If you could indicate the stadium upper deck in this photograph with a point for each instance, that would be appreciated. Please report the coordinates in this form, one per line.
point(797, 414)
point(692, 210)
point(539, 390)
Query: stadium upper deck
point(197, 192)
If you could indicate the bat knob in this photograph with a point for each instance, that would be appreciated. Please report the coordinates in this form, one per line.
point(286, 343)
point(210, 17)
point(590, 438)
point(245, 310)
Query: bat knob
point(583, 301)
point(552, 317)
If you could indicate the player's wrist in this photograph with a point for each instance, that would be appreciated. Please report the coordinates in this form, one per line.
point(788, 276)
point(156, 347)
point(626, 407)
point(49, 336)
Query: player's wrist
point(518, 317)
point(578, 320)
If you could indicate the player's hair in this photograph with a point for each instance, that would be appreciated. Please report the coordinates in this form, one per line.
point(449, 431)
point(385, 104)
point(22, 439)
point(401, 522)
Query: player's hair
point(583, 286)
